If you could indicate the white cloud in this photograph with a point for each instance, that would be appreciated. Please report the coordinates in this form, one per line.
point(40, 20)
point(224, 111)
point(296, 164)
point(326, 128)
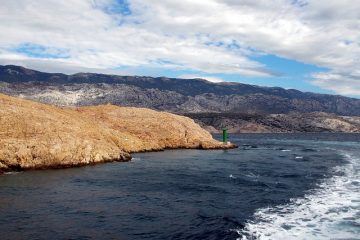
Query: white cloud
point(340, 83)
point(208, 78)
point(211, 36)
point(319, 32)
point(93, 39)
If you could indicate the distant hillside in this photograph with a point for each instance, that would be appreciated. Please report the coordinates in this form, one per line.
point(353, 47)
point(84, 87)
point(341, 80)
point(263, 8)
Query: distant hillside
point(277, 123)
point(168, 94)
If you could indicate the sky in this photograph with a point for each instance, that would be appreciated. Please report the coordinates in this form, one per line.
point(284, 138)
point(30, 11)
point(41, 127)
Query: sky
point(306, 45)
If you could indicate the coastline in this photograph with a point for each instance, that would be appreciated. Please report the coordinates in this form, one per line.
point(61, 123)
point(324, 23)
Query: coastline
point(40, 136)
point(125, 158)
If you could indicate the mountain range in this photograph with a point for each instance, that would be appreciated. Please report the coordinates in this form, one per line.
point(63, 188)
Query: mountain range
point(182, 96)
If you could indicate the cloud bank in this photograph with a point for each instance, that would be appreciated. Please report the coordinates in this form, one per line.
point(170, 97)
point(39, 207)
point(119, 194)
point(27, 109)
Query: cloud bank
point(208, 36)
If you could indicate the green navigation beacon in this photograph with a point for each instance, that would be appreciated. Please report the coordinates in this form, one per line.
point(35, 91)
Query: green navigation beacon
point(225, 136)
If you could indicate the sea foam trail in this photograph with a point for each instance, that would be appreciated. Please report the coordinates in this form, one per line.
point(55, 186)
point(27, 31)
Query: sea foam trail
point(330, 212)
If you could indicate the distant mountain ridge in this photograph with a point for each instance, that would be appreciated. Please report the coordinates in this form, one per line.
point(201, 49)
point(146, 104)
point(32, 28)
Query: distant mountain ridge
point(167, 94)
point(314, 122)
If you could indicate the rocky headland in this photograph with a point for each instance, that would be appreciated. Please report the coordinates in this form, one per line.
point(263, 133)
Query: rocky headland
point(38, 136)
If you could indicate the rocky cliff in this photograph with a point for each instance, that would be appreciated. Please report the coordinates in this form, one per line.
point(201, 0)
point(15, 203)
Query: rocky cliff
point(35, 135)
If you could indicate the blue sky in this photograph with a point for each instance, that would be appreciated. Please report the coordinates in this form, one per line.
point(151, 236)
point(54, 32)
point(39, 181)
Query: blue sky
point(305, 45)
point(38, 51)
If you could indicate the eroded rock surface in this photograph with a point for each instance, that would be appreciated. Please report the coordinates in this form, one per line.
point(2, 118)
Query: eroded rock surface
point(35, 135)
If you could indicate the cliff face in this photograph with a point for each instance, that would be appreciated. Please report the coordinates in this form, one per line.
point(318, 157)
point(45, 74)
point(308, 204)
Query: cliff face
point(35, 135)
point(277, 123)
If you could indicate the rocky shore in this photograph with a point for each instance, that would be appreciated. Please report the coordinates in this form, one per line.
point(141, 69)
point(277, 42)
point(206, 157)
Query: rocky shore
point(39, 136)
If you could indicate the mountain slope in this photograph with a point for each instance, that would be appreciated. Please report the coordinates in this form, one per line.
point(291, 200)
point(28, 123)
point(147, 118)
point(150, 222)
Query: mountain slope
point(169, 94)
point(277, 123)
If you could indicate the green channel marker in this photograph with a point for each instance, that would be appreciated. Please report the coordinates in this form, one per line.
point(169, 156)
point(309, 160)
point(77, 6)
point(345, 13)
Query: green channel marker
point(225, 136)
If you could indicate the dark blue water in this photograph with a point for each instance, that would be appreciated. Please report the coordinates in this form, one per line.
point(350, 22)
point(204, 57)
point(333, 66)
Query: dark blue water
point(195, 194)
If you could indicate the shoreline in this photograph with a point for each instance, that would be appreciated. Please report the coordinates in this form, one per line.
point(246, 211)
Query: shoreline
point(39, 136)
point(124, 158)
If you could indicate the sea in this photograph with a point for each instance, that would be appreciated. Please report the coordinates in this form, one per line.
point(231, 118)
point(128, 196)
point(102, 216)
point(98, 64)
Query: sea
point(274, 186)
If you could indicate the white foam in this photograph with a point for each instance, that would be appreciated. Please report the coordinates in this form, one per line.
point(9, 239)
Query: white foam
point(252, 176)
point(299, 157)
point(330, 212)
point(11, 173)
point(286, 150)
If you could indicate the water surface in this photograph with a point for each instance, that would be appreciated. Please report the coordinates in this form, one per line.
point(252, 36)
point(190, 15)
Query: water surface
point(274, 186)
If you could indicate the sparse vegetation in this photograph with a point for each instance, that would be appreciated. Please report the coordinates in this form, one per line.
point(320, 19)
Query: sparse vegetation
point(35, 135)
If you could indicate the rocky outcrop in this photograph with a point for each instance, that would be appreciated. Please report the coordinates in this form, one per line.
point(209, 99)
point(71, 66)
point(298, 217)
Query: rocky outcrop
point(35, 135)
point(277, 123)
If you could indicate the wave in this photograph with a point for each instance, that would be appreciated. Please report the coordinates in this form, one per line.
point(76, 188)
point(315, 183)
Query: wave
point(332, 211)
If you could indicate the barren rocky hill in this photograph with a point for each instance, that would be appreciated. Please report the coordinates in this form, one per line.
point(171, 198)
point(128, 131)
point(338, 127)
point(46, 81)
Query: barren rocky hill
point(35, 135)
point(213, 105)
point(277, 123)
point(168, 94)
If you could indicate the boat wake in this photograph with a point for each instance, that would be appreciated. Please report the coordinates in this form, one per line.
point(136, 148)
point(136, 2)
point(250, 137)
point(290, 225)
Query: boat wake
point(332, 211)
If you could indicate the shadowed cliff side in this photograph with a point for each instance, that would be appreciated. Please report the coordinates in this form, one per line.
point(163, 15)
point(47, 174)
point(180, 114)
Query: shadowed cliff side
point(35, 135)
